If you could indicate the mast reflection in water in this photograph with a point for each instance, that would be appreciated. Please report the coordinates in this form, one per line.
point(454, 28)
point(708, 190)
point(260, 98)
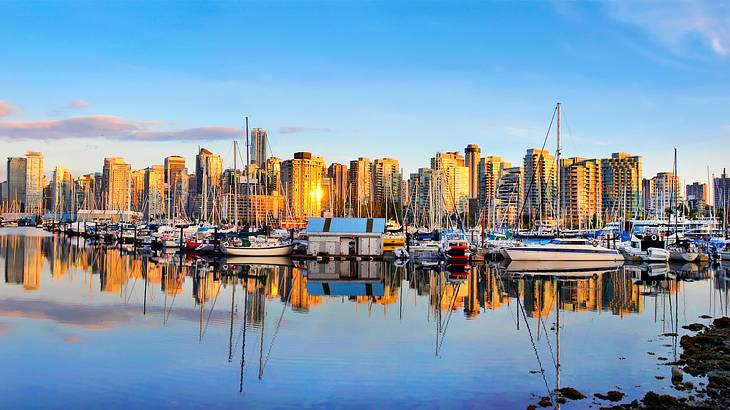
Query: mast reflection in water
point(81, 324)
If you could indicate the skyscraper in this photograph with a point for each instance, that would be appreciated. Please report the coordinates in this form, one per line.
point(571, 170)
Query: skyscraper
point(338, 174)
point(16, 184)
point(664, 194)
point(510, 189)
point(360, 180)
point(580, 191)
point(154, 192)
point(116, 181)
point(208, 170)
point(471, 161)
point(621, 184)
point(539, 184)
point(697, 195)
point(272, 180)
point(489, 171)
point(259, 145)
point(451, 180)
point(386, 176)
point(137, 195)
point(176, 178)
point(721, 192)
point(62, 200)
point(35, 181)
point(302, 181)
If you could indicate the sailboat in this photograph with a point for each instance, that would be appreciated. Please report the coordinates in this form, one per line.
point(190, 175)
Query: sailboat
point(680, 250)
point(561, 249)
point(247, 245)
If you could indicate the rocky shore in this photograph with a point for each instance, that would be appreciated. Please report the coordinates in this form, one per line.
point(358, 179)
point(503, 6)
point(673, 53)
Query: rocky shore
point(705, 355)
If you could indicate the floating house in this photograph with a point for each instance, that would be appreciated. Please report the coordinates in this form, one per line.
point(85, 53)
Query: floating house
point(345, 236)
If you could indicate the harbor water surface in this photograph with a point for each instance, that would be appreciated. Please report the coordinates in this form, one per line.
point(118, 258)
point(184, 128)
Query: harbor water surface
point(83, 325)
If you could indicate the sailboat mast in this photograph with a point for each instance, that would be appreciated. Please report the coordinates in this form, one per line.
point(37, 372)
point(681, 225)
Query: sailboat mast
point(675, 198)
point(248, 186)
point(235, 183)
point(557, 180)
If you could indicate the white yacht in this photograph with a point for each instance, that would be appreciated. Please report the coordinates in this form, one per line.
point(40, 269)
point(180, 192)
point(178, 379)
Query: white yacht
point(647, 250)
point(559, 249)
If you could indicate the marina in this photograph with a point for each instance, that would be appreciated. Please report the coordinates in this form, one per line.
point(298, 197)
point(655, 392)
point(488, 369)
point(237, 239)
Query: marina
point(249, 327)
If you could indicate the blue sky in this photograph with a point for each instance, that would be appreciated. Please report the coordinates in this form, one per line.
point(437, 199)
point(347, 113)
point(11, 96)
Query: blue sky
point(83, 80)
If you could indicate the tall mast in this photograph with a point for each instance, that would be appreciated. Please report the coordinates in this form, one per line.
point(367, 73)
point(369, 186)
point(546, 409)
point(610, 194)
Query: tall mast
point(248, 186)
point(557, 180)
point(675, 197)
point(235, 183)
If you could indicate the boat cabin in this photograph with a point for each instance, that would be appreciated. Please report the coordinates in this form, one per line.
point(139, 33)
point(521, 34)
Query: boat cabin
point(345, 236)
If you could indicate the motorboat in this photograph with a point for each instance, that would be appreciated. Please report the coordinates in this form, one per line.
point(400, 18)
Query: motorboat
point(455, 248)
point(648, 249)
point(563, 249)
point(256, 246)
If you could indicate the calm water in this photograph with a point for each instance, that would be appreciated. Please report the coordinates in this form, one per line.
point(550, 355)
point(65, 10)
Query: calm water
point(83, 326)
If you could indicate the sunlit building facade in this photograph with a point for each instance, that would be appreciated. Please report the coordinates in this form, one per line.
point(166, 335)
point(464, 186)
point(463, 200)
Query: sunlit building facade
point(540, 184)
point(35, 181)
point(580, 192)
point(116, 184)
point(302, 181)
point(472, 161)
point(621, 177)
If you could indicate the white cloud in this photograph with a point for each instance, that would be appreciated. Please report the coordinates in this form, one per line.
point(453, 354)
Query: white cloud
point(679, 25)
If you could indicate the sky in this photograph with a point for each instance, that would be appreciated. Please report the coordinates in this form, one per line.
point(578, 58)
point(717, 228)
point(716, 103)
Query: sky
point(80, 81)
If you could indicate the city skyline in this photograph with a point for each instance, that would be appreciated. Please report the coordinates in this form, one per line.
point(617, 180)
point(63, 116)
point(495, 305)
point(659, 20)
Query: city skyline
point(396, 82)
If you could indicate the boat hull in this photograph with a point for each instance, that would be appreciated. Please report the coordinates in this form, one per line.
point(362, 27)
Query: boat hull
point(280, 250)
point(556, 253)
point(683, 256)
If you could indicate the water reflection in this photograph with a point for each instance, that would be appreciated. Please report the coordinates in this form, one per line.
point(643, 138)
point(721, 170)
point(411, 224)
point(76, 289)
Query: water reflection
point(262, 309)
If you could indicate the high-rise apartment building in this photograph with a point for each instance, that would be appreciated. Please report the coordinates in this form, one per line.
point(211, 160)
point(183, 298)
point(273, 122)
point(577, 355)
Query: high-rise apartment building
point(258, 147)
point(360, 181)
point(62, 191)
point(272, 176)
point(302, 181)
point(338, 175)
point(489, 172)
point(387, 179)
point(510, 189)
point(472, 161)
point(176, 180)
point(208, 171)
point(16, 184)
point(621, 177)
point(451, 179)
point(580, 192)
point(721, 192)
point(421, 198)
point(154, 192)
point(697, 195)
point(664, 195)
point(89, 191)
point(540, 184)
point(116, 184)
point(35, 181)
point(136, 186)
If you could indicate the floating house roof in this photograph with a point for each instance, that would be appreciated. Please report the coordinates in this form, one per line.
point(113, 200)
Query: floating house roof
point(346, 225)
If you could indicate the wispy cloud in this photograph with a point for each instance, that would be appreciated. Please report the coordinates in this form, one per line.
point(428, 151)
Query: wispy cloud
point(296, 129)
point(679, 25)
point(109, 127)
point(77, 105)
point(71, 106)
point(8, 109)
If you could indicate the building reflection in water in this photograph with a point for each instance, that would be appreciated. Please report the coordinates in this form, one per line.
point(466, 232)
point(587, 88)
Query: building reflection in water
point(305, 285)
